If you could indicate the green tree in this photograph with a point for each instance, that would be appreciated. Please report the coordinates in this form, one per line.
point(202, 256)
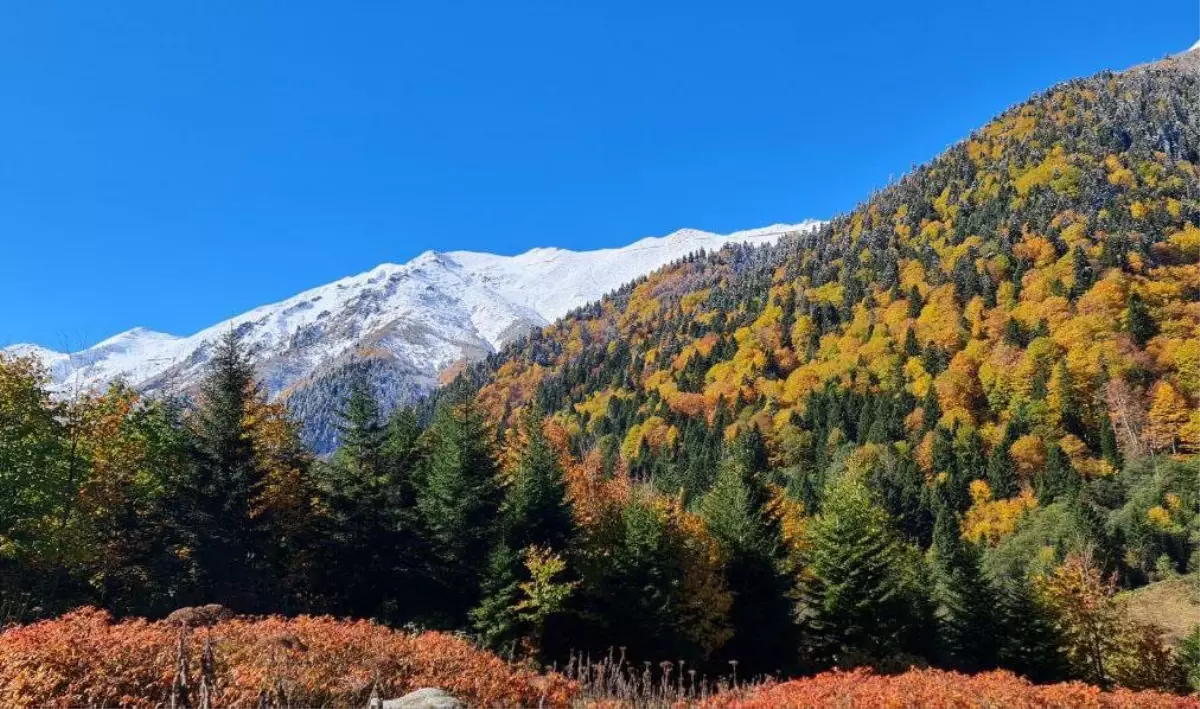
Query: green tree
point(457, 499)
point(535, 513)
point(1081, 269)
point(1189, 658)
point(736, 510)
point(1059, 478)
point(1030, 644)
point(966, 598)
point(229, 546)
point(371, 558)
point(361, 432)
point(1138, 320)
point(857, 607)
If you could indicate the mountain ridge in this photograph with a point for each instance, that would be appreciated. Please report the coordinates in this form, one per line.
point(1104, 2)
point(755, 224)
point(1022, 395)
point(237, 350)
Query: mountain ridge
point(414, 319)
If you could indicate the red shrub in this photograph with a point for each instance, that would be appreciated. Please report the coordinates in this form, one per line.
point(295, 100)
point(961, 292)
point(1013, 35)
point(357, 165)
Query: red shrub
point(85, 659)
point(935, 688)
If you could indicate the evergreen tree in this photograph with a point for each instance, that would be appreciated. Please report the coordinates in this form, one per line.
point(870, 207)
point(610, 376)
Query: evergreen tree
point(1030, 645)
point(496, 618)
point(900, 486)
point(457, 500)
point(953, 488)
point(371, 562)
point(360, 431)
point(1108, 441)
point(535, 512)
point(764, 630)
point(229, 546)
point(915, 302)
point(1001, 470)
point(931, 409)
point(1059, 478)
point(1138, 320)
point(857, 608)
point(1082, 272)
point(967, 600)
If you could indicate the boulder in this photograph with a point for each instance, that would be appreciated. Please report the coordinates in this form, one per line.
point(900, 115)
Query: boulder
point(425, 698)
point(199, 616)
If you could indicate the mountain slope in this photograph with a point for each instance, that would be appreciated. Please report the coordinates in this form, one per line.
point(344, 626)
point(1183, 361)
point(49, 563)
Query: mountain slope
point(403, 323)
point(1031, 292)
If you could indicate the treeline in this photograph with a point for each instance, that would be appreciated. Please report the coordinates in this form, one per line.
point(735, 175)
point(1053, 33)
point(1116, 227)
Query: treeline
point(144, 506)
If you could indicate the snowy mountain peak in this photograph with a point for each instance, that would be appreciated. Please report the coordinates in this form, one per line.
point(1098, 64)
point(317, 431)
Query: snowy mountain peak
point(412, 319)
point(135, 337)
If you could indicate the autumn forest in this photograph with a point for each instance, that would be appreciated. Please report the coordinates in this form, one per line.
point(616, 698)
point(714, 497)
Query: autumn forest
point(955, 430)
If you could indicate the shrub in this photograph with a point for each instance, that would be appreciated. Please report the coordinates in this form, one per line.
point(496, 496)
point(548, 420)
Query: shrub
point(861, 689)
point(935, 688)
point(84, 658)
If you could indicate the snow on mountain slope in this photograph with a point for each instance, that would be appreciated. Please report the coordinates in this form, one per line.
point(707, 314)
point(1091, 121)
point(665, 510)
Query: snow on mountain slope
point(417, 318)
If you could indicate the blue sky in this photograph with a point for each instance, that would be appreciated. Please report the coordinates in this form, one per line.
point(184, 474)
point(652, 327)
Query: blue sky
point(173, 164)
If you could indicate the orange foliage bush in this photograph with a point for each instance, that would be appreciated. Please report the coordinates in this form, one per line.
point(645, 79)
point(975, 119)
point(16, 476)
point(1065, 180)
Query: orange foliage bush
point(85, 658)
point(936, 688)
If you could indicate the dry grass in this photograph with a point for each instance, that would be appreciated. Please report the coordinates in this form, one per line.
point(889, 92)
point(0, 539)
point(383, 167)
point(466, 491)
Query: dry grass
point(1173, 605)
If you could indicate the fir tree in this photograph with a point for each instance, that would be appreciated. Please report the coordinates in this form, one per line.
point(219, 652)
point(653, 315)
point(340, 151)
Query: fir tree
point(930, 408)
point(1059, 478)
point(736, 511)
point(1108, 441)
point(1082, 273)
point(360, 431)
point(371, 565)
point(915, 303)
point(1030, 645)
point(457, 500)
point(229, 546)
point(1138, 320)
point(535, 512)
point(857, 609)
point(967, 600)
point(1001, 470)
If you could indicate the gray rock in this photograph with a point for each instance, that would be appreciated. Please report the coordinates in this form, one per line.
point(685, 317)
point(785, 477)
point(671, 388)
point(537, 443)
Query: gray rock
point(425, 698)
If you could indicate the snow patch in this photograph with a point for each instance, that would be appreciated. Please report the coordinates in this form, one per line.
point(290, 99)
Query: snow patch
point(428, 313)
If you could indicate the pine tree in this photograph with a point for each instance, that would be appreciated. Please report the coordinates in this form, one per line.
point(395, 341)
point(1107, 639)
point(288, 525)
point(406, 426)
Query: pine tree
point(915, 303)
point(1140, 323)
point(1059, 478)
point(1001, 471)
point(966, 598)
point(930, 408)
point(953, 488)
point(857, 609)
point(1082, 272)
point(1029, 642)
point(360, 431)
point(371, 562)
point(457, 500)
point(535, 513)
point(764, 638)
point(229, 547)
point(496, 618)
point(1108, 441)
point(912, 347)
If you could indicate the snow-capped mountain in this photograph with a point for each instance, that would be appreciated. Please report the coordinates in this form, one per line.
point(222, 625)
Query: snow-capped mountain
point(400, 324)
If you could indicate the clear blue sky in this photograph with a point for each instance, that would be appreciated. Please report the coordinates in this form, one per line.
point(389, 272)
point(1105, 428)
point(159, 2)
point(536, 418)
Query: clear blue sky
point(170, 164)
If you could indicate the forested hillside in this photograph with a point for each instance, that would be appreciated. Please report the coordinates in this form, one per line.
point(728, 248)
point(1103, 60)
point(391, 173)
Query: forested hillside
point(946, 430)
point(982, 372)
